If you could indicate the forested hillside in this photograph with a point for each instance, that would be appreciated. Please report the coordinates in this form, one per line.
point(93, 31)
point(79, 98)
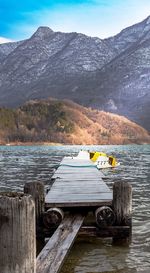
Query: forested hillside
point(66, 122)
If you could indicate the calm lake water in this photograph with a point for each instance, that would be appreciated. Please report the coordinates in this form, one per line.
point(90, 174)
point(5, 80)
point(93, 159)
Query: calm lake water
point(37, 163)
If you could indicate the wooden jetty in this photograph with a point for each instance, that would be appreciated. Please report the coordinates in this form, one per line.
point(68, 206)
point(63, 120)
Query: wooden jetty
point(78, 183)
point(78, 190)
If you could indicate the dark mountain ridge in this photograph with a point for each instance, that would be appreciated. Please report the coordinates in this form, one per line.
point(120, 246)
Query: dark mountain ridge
point(110, 74)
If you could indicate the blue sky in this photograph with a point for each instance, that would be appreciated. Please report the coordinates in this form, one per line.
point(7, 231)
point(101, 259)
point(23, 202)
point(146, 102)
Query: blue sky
point(19, 19)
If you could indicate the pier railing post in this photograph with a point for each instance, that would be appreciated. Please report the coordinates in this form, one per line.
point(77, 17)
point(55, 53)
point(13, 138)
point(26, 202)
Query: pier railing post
point(17, 233)
point(122, 203)
point(122, 206)
point(36, 189)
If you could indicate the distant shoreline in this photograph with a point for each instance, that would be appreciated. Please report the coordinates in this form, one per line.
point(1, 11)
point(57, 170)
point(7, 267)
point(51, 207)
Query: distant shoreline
point(31, 144)
point(62, 144)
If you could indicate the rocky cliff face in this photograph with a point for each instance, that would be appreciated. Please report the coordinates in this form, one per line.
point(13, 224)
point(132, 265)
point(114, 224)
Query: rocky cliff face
point(111, 74)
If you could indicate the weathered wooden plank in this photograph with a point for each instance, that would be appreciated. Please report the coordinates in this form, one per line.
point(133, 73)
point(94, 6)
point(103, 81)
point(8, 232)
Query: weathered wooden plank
point(99, 196)
point(77, 186)
point(77, 168)
point(109, 231)
point(76, 190)
point(80, 181)
point(80, 177)
point(77, 204)
point(89, 189)
point(93, 231)
point(76, 176)
point(90, 195)
point(51, 258)
point(83, 170)
point(72, 178)
point(75, 195)
point(82, 188)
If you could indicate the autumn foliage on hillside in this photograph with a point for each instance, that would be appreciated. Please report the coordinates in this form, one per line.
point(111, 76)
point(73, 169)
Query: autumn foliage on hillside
point(66, 122)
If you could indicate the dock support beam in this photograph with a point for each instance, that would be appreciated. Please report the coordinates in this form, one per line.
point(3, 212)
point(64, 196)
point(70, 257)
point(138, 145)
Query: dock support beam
point(17, 233)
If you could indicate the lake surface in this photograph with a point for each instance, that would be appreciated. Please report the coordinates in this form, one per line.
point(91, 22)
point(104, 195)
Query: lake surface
point(20, 164)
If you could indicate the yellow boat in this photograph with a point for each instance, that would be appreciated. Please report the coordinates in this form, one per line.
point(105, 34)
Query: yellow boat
point(102, 160)
point(95, 155)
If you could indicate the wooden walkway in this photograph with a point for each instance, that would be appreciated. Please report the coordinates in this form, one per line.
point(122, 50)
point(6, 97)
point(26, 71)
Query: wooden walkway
point(78, 183)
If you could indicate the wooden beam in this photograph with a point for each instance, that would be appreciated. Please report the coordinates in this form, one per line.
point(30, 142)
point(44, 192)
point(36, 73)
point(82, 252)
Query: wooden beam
point(72, 204)
point(52, 257)
point(110, 231)
point(93, 231)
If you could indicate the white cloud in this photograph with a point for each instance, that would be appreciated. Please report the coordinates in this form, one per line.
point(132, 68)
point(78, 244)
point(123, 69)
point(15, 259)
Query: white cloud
point(4, 40)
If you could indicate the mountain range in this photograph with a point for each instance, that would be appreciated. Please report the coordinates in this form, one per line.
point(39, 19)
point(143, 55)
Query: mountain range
point(112, 74)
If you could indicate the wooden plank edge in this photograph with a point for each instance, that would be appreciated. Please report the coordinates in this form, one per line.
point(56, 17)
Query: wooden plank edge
point(78, 204)
point(109, 231)
point(93, 231)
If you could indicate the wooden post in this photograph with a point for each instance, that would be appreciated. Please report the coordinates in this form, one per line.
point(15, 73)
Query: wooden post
point(122, 203)
point(53, 217)
point(122, 206)
point(17, 233)
point(36, 189)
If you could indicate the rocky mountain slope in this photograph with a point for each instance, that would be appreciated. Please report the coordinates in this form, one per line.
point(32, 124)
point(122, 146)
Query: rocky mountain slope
point(7, 48)
point(129, 36)
point(126, 79)
point(110, 74)
point(66, 122)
